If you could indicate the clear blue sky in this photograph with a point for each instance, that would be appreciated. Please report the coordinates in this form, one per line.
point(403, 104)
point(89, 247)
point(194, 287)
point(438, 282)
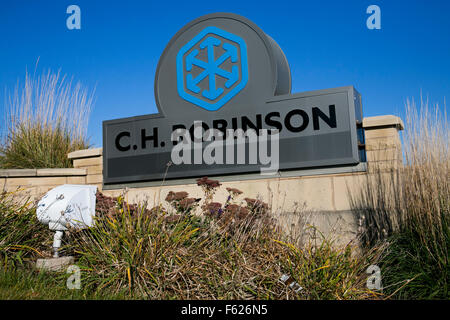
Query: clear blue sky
point(326, 43)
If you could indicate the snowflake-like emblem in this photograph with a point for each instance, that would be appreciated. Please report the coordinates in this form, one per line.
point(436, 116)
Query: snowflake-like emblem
point(212, 68)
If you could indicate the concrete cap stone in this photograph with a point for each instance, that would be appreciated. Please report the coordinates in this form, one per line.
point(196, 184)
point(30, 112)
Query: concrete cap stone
point(57, 172)
point(383, 121)
point(86, 153)
point(18, 172)
point(61, 172)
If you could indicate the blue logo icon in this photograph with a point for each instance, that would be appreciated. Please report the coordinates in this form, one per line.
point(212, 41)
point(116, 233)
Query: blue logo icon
point(212, 68)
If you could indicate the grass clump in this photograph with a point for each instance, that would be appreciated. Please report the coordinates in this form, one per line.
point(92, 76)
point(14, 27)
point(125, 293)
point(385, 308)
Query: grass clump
point(326, 271)
point(46, 118)
point(410, 207)
point(22, 237)
point(25, 284)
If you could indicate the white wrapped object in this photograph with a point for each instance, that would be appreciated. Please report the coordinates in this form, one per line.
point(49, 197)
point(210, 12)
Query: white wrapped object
point(68, 205)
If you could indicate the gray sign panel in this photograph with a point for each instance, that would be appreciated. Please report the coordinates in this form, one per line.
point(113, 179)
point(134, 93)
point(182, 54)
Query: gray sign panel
point(221, 69)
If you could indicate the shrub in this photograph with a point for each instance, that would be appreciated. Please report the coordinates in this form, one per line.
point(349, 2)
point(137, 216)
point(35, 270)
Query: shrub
point(46, 119)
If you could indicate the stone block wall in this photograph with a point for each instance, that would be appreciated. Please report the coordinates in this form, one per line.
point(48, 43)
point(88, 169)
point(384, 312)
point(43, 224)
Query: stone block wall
point(320, 194)
point(91, 161)
point(34, 183)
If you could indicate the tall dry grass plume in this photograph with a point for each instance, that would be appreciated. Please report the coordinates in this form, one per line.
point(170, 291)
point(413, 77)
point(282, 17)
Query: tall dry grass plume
point(425, 181)
point(46, 118)
point(409, 205)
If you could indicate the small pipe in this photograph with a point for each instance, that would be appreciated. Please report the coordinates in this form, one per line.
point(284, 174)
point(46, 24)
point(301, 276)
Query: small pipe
point(57, 243)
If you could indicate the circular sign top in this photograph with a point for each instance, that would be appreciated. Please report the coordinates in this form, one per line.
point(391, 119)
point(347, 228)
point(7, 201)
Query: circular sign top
point(221, 63)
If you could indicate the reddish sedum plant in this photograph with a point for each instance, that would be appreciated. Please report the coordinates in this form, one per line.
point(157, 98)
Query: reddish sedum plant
point(205, 182)
point(212, 209)
point(180, 201)
point(176, 196)
point(209, 188)
point(111, 206)
point(188, 203)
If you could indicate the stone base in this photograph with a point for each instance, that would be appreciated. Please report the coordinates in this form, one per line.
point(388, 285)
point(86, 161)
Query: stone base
point(54, 264)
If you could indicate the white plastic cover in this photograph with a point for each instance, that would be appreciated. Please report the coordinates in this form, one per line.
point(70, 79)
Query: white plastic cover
point(68, 205)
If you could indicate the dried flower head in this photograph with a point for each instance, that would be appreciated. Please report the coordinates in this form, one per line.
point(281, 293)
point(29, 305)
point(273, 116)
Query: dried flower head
point(212, 209)
point(176, 196)
point(208, 183)
point(111, 207)
point(188, 203)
